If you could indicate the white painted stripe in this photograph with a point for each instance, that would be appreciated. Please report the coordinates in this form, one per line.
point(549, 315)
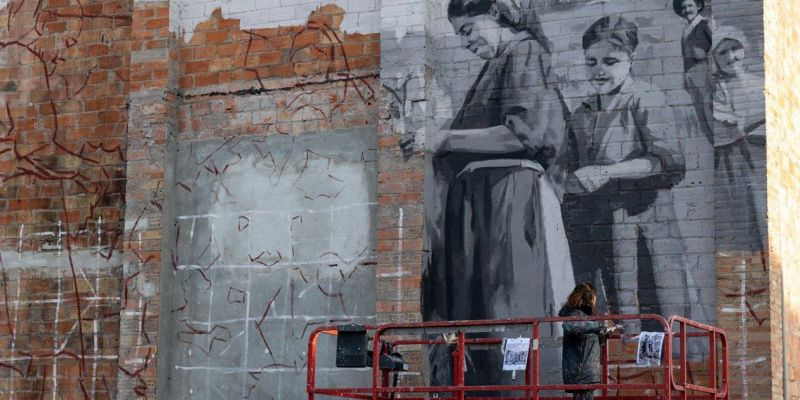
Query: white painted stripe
point(743, 326)
point(184, 267)
point(307, 318)
point(273, 212)
point(257, 370)
point(750, 362)
point(55, 338)
point(399, 289)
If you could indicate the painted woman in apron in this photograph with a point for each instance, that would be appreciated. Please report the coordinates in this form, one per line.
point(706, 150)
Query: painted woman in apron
point(739, 147)
point(499, 250)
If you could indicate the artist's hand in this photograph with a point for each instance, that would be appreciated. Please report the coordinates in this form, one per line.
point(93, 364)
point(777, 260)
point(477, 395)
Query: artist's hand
point(611, 330)
point(592, 177)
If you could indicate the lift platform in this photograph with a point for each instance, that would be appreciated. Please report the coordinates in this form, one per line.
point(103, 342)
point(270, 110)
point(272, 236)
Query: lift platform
point(681, 373)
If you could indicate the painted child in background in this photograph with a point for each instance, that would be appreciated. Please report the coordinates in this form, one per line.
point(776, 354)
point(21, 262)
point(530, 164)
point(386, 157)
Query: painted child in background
point(625, 155)
point(695, 45)
point(739, 145)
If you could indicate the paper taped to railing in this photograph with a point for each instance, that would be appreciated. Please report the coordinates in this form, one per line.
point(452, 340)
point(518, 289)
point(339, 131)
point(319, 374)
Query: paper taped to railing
point(515, 353)
point(649, 352)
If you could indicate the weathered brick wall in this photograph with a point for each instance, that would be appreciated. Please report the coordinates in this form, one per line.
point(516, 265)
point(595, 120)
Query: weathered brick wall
point(151, 106)
point(711, 263)
point(783, 100)
point(204, 183)
point(743, 294)
point(64, 72)
point(406, 81)
point(270, 197)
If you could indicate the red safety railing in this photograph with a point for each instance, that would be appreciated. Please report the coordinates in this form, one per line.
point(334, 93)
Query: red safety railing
point(669, 387)
point(715, 388)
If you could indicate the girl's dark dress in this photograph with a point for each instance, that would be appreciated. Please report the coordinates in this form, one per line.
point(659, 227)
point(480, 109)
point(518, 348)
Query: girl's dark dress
point(695, 45)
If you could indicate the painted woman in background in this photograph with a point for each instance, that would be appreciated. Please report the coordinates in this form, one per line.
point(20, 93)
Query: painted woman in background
point(739, 146)
point(695, 45)
point(625, 155)
point(500, 251)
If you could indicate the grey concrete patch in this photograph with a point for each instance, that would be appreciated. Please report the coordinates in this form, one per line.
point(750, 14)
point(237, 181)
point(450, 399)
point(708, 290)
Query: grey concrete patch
point(273, 237)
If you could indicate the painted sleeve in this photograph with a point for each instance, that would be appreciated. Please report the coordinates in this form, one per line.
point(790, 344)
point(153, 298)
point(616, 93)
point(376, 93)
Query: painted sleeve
point(753, 99)
point(531, 107)
point(657, 125)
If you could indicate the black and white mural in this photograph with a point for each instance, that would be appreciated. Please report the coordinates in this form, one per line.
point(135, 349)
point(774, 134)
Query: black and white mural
point(615, 142)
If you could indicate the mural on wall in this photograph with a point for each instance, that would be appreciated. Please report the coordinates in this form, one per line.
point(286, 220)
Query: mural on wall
point(739, 143)
point(495, 166)
point(624, 158)
point(597, 150)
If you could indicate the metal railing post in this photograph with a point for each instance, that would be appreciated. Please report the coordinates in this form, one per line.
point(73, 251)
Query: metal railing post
point(684, 369)
point(604, 363)
point(460, 367)
point(376, 349)
point(712, 355)
point(536, 361)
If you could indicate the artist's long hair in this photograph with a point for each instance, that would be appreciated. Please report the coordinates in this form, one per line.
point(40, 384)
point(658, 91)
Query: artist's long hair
point(583, 298)
point(518, 15)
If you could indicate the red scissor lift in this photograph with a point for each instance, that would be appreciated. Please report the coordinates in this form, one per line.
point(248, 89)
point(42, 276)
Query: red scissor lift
point(676, 375)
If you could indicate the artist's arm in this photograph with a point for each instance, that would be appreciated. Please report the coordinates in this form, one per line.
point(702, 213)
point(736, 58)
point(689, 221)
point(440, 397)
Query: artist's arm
point(580, 328)
point(494, 140)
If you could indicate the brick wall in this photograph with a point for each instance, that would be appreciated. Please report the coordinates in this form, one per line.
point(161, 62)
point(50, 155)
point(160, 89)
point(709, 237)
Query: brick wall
point(783, 99)
point(270, 197)
point(64, 70)
point(151, 103)
point(151, 150)
point(743, 275)
point(722, 259)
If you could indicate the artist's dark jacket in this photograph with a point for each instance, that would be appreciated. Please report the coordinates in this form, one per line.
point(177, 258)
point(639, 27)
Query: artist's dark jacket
point(581, 351)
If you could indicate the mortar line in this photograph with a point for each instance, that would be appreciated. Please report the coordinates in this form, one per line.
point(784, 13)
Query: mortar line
point(274, 213)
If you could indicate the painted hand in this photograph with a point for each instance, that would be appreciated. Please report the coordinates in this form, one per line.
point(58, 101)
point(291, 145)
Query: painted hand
point(592, 177)
point(439, 142)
